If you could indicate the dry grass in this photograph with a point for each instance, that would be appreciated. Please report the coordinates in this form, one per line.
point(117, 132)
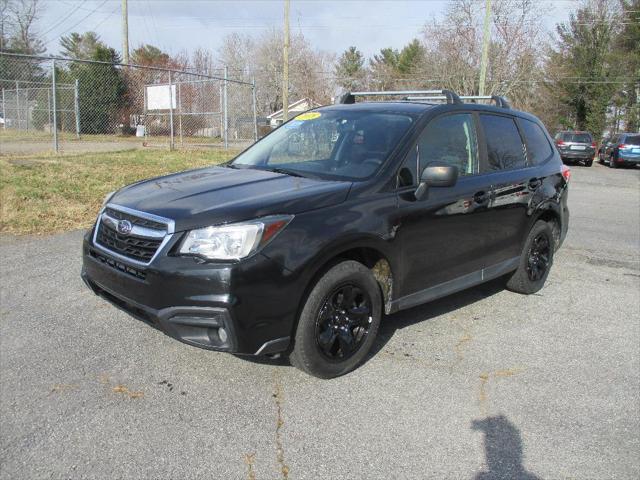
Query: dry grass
point(41, 136)
point(42, 194)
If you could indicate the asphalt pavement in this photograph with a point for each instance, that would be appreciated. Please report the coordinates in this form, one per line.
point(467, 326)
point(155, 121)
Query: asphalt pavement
point(482, 384)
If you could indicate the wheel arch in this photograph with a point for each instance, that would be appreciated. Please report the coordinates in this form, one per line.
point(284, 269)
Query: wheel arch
point(372, 252)
point(549, 213)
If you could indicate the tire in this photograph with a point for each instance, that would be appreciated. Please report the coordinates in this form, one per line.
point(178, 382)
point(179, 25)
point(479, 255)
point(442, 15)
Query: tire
point(330, 318)
point(588, 163)
point(535, 262)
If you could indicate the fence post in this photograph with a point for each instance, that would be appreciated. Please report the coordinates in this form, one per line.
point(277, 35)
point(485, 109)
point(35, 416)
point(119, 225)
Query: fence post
point(170, 112)
point(220, 114)
point(26, 110)
point(55, 106)
point(76, 104)
point(49, 106)
point(255, 115)
point(224, 108)
point(4, 111)
point(180, 113)
point(18, 105)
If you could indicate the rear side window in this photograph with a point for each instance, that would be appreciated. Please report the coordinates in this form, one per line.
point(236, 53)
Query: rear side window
point(537, 143)
point(577, 137)
point(632, 140)
point(504, 145)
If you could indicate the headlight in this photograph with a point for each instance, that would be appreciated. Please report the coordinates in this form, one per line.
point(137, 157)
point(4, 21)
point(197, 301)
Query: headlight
point(233, 241)
point(107, 197)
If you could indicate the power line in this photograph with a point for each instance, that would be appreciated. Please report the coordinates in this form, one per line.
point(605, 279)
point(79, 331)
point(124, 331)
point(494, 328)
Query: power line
point(78, 23)
point(62, 19)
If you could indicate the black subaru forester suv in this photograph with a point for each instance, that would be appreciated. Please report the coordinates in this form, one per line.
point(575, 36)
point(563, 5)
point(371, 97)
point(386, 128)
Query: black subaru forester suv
point(345, 213)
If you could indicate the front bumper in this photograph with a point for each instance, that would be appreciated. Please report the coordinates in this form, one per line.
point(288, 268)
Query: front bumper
point(255, 301)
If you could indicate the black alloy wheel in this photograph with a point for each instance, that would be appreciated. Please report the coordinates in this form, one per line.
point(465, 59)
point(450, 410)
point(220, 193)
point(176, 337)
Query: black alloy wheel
point(339, 321)
point(539, 257)
point(536, 259)
point(343, 322)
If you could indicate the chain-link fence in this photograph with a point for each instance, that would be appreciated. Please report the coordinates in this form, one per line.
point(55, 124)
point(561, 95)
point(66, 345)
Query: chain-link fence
point(78, 105)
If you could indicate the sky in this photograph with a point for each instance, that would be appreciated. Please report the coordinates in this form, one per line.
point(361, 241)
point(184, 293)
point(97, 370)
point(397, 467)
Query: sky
point(176, 25)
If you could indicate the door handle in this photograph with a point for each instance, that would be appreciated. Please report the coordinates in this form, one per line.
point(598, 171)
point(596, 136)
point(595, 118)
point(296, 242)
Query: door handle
point(534, 183)
point(481, 197)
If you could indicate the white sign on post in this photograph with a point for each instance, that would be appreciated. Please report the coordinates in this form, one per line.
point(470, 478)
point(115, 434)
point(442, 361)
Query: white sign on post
point(159, 97)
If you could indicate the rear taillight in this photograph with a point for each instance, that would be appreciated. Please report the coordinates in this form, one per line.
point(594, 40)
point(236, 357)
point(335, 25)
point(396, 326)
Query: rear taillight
point(622, 145)
point(593, 144)
point(566, 173)
point(559, 143)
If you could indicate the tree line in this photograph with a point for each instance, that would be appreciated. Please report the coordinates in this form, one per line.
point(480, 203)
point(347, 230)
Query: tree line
point(585, 75)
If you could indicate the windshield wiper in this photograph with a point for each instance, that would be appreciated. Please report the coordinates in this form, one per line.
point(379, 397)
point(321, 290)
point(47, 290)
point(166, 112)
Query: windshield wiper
point(284, 171)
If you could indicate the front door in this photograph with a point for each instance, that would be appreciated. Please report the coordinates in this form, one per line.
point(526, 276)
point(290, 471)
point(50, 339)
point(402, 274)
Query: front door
point(442, 235)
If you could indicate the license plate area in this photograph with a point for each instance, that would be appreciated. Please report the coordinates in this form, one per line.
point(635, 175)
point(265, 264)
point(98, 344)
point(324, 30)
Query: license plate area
point(578, 147)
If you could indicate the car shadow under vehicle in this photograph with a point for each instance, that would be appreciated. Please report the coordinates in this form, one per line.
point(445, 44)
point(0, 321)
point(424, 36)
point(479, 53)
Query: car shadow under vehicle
point(423, 313)
point(406, 318)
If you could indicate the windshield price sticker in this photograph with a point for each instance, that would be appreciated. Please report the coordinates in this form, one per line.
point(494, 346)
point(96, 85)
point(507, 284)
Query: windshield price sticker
point(309, 116)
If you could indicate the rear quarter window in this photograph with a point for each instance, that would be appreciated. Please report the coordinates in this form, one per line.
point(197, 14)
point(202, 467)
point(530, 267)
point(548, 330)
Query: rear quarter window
point(537, 143)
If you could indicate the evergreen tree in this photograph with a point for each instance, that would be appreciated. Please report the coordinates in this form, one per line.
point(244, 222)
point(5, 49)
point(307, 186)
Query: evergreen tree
point(586, 83)
point(350, 69)
point(627, 55)
point(411, 57)
point(81, 46)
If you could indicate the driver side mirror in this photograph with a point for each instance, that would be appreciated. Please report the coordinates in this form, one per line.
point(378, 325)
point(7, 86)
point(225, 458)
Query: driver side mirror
point(436, 174)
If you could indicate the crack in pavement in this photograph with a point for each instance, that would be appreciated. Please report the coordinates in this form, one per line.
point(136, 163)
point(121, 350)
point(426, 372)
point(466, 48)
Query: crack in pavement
point(484, 379)
point(249, 459)
point(279, 398)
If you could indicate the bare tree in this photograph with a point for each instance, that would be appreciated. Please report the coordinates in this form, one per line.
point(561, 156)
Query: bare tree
point(20, 18)
point(261, 58)
point(515, 55)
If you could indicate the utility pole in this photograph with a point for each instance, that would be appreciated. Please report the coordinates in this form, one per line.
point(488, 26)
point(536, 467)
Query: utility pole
point(285, 65)
point(485, 46)
point(125, 32)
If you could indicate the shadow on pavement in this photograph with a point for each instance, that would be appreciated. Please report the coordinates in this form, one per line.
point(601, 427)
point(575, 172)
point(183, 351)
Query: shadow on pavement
point(422, 313)
point(502, 449)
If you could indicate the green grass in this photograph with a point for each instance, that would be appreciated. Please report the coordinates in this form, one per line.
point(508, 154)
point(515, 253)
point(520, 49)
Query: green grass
point(42, 194)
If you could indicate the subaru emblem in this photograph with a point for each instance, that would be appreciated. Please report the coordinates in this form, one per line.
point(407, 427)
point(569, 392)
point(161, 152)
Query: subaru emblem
point(124, 227)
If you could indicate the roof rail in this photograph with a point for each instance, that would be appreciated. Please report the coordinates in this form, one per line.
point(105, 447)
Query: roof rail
point(500, 101)
point(448, 95)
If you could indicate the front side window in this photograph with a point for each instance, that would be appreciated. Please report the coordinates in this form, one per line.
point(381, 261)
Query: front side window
point(505, 150)
point(537, 143)
point(450, 139)
point(332, 144)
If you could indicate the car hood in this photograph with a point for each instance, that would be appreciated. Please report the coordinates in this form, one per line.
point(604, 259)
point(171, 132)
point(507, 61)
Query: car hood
point(214, 195)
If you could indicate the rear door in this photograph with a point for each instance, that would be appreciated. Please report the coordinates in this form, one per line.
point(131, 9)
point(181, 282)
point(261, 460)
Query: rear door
point(512, 182)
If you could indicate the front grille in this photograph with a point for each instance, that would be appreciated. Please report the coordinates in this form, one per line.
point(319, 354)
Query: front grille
point(142, 222)
point(137, 248)
point(133, 235)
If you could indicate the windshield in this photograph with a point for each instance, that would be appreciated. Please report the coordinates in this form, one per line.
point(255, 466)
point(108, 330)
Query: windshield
point(337, 144)
point(577, 137)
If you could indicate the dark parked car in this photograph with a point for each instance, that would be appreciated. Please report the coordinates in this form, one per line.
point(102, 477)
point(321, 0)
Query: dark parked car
point(576, 147)
point(621, 149)
point(348, 212)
